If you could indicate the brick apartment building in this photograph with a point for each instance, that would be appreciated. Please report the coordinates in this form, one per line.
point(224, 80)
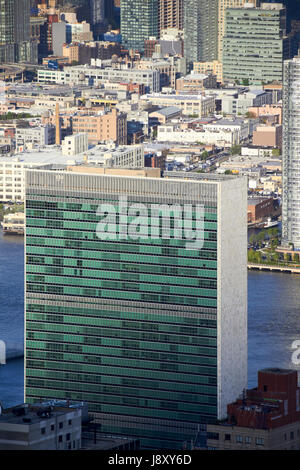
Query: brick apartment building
point(102, 127)
point(265, 418)
point(268, 136)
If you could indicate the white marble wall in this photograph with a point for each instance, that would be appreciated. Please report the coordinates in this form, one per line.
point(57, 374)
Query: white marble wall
point(232, 292)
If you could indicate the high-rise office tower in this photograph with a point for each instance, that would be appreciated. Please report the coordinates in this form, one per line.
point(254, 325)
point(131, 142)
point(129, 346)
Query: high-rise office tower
point(97, 11)
point(200, 31)
point(170, 14)
point(139, 21)
point(291, 155)
point(109, 10)
point(222, 7)
point(255, 43)
point(14, 21)
point(142, 312)
point(96, 17)
point(15, 43)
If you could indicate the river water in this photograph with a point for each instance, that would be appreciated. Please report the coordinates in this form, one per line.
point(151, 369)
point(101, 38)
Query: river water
point(273, 319)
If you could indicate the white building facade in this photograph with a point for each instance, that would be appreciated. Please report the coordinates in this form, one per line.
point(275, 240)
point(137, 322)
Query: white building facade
point(96, 76)
point(74, 144)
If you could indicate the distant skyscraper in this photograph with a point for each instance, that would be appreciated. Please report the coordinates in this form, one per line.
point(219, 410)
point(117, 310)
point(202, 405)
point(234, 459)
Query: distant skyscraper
point(139, 21)
point(109, 9)
point(97, 11)
point(15, 43)
point(96, 17)
point(255, 43)
point(14, 21)
point(222, 6)
point(201, 30)
point(148, 322)
point(291, 155)
point(170, 14)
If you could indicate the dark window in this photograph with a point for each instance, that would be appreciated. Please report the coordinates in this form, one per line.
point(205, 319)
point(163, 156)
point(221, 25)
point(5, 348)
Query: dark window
point(52, 427)
point(227, 437)
point(265, 388)
point(61, 425)
point(43, 430)
point(60, 438)
point(213, 435)
point(68, 436)
point(69, 422)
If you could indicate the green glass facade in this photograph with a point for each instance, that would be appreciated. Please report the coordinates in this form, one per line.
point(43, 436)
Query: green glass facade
point(139, 21)
point(15, 43)
point(130, 326)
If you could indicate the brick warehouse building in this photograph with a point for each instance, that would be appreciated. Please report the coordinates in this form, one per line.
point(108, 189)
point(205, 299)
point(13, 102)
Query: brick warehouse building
point(259, 208)
point(265, 418)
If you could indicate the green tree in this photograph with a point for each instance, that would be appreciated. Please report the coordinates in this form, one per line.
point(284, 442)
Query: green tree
point(261, 237)
point(258, 257)
point(235, 149)
point(276, 152)
point(204, 155)
point(250, 115)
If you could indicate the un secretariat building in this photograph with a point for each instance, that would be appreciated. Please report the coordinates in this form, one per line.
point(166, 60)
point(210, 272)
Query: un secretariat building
point(151, 329)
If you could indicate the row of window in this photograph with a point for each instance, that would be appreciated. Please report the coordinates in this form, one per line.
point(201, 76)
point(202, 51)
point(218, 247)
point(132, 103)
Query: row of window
point(60, 426)
point(76, 373)
point(195, 301)
point(208, 251)
point(126, 406)
point(54, 265)
point(113, 331)
point(238, 439)
point(136, 349)
point(140, 319)
point(65, 323)
point(171, 398)
point(205, 256)
point(99, 239)
point(84, 362)
point(83, 208)
point(106, 278)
